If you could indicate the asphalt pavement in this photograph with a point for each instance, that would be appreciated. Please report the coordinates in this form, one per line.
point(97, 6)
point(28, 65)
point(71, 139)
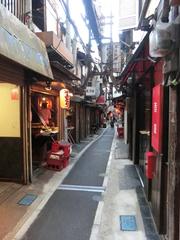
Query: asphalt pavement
point(69, 213)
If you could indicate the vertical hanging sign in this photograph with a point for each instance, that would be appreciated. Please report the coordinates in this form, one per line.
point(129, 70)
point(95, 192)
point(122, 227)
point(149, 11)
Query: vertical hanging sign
point(157, 114)
point(64, 99)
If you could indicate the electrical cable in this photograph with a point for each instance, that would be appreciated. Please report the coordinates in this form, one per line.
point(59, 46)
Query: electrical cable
point(72, 23)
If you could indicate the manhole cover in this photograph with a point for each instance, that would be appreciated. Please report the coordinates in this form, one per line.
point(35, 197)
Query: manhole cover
point(128, 223)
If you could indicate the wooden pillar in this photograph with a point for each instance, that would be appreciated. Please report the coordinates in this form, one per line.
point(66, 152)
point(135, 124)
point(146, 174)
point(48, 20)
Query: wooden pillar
point(77, 127)
point(173, 170)
point(135, 129)
point(25, 134)
point(82, 122)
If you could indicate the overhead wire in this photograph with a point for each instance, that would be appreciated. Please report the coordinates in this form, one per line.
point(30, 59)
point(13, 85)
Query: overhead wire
point(73, 24)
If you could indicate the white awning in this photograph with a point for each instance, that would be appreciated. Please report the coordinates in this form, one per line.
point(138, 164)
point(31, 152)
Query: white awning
point(21, 45)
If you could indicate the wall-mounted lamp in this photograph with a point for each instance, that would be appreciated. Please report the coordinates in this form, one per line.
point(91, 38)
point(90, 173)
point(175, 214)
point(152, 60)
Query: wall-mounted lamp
point(15, 93)
point(48, 85)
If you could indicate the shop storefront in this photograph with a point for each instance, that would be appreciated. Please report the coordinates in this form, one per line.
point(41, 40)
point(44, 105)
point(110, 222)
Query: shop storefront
point(23, 59)
point(45, 124)
point(82, 121)
point(139, 81)
point(11, 128)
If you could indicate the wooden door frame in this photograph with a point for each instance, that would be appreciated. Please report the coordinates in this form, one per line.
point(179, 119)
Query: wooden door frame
point(173, 214)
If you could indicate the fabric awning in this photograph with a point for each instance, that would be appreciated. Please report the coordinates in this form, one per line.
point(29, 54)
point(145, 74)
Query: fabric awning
point(101, 100)
point(21, 45)
point(67, 74)
point(77, 98)
point(132, 62)
point(55, 55)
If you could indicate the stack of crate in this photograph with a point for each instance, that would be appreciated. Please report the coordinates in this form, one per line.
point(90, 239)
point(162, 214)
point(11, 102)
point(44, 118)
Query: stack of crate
point(120, 131)
point(65, 147)
point(58, 157)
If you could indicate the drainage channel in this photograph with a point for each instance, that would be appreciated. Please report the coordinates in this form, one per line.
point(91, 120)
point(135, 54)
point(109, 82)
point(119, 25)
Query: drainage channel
point(81, 188)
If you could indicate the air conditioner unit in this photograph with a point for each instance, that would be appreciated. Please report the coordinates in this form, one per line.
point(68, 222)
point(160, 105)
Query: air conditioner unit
point(161, 40)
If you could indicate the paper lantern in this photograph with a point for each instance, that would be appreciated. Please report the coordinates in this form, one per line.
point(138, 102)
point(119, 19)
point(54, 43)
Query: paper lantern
point(15, 94)
point(64, 99)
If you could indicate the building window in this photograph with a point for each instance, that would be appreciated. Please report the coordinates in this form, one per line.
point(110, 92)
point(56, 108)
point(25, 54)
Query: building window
point(16, 7)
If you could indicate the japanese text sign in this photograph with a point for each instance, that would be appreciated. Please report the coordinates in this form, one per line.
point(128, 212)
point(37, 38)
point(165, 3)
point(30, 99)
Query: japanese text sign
point(64, 99)
point(157, 114)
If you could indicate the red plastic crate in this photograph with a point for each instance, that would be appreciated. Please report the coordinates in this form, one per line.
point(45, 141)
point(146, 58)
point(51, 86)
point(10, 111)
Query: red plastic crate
point(55, 161)
point(66, 148)
point(65, 162)
point(55, 147)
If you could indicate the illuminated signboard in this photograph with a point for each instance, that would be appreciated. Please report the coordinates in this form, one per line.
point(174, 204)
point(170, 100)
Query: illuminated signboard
point(157, 111)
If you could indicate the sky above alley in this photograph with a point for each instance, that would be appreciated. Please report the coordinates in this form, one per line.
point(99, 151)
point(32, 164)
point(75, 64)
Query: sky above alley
point(107, 7)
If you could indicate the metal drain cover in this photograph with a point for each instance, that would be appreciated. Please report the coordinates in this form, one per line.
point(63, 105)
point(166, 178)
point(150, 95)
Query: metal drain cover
point(27, 200)
point(128, 223)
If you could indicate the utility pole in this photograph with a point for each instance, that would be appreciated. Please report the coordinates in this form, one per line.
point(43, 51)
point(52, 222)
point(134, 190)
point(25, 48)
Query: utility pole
point(109, 60)
point(111, 46)
point(68, 37)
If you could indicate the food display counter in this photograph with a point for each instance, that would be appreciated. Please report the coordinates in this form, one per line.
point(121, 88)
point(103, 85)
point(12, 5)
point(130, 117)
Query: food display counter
point(42, 138)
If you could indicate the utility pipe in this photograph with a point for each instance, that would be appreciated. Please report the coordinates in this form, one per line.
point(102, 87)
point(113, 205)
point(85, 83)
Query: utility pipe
point(143, 12)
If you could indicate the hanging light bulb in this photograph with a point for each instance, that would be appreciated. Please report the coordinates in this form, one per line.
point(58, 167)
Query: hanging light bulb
point(48, 85)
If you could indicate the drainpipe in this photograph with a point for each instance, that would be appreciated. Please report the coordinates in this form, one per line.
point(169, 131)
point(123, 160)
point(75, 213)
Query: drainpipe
point(143, 12)
point(165, 11)
point(68, 37)
point(74, 50)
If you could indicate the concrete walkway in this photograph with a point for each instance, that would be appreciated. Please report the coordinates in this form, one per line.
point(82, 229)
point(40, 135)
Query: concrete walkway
point(124, 196)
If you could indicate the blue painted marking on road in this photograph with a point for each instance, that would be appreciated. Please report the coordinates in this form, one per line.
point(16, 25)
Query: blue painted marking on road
point(27, 200)
point(128, 223)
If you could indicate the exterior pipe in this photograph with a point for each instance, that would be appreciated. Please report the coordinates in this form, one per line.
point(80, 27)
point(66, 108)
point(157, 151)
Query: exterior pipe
point(143, 12)
point(165, 11)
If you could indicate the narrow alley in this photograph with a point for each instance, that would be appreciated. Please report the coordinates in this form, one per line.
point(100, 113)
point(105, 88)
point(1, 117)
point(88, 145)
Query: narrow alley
point(90, 119)
point(87, 204)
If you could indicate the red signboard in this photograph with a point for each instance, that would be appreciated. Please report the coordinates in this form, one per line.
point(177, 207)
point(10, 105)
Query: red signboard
point(157, 111)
